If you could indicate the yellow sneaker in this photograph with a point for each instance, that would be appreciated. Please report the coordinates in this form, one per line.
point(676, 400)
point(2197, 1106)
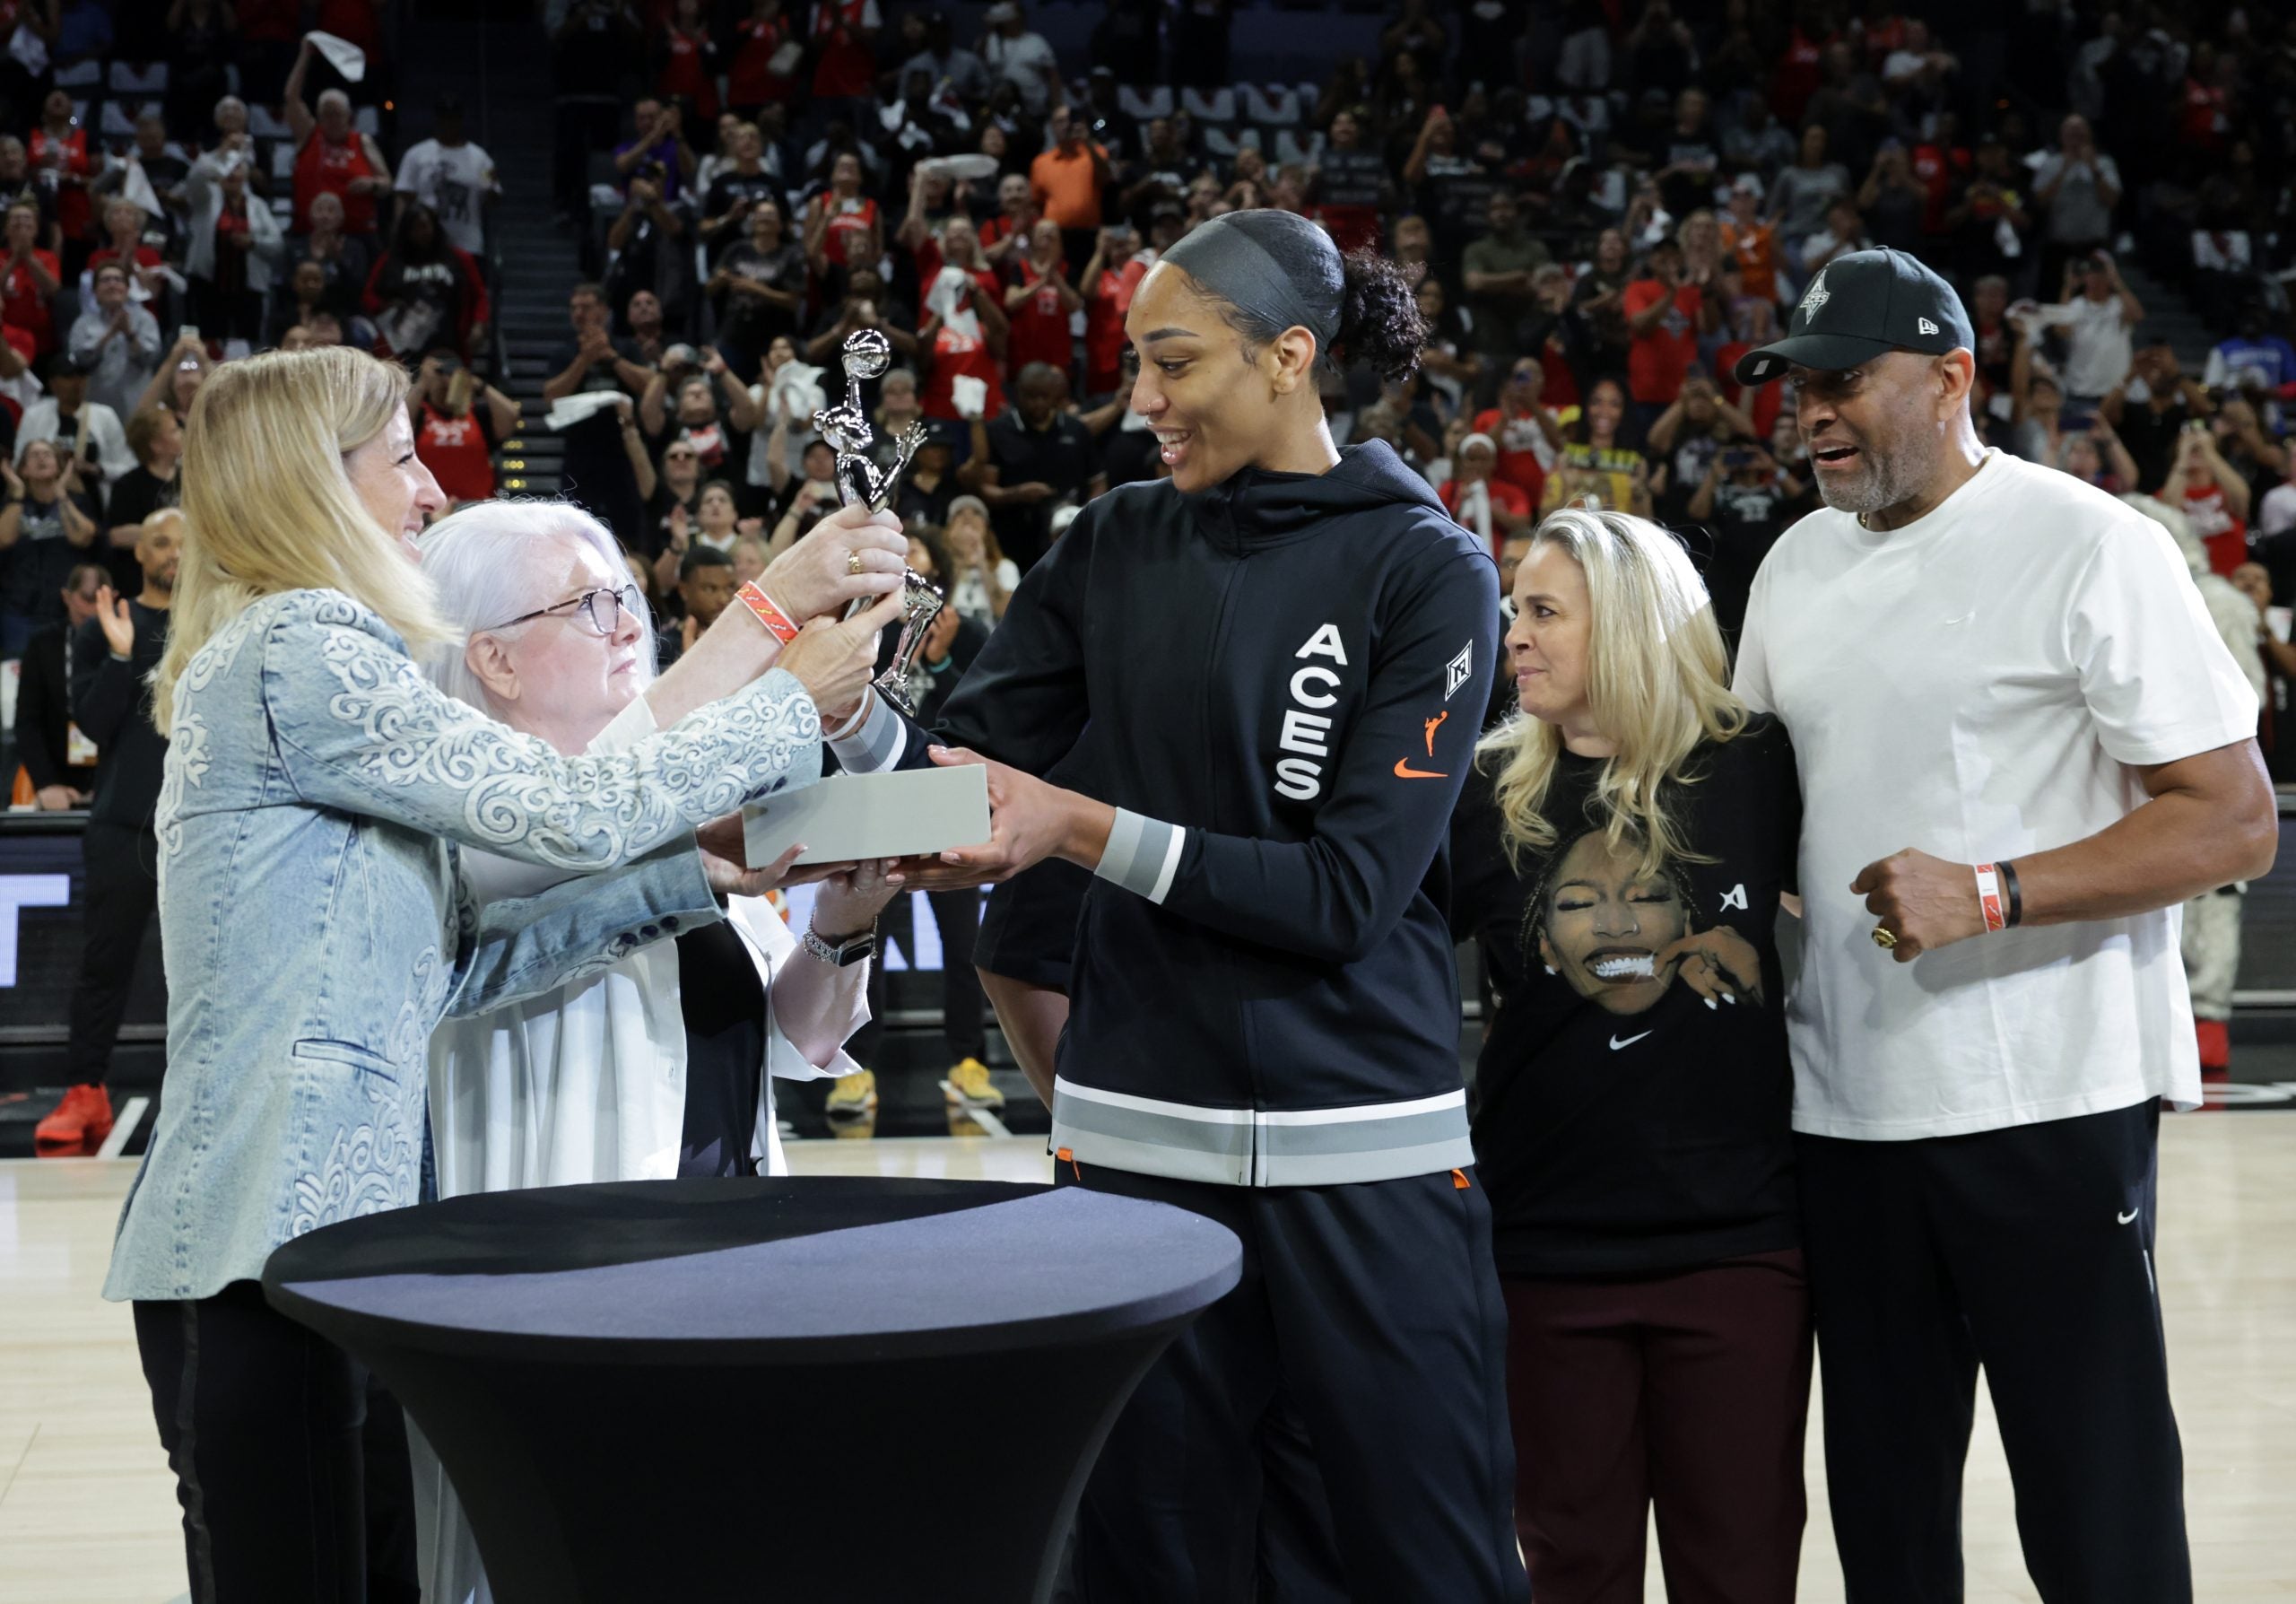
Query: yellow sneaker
point(968, 1083)
point(853, 1098)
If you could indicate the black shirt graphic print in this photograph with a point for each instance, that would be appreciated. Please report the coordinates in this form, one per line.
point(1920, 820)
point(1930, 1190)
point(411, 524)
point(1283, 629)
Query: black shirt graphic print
point(1624, 1126)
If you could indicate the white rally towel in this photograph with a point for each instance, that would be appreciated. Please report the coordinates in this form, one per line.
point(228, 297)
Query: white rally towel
point(340, 54)
point(28, 50)
point(136, 186)
point(569, 410)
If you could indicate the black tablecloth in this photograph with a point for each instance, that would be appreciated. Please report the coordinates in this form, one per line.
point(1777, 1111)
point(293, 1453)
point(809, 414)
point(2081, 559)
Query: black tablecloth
point(692, 1390)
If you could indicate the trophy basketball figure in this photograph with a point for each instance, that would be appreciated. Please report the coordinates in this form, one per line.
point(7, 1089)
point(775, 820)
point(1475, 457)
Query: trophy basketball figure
point(845, 427)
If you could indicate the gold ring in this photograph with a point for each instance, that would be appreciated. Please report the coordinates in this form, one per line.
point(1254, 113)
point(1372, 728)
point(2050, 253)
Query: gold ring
point(853, 563)
point(1883, 939)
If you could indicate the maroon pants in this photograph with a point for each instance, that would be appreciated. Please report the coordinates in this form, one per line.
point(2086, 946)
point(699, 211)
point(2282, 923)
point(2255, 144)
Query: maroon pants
point(1689, 1389)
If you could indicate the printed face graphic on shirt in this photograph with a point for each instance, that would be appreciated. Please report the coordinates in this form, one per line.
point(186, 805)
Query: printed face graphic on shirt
point(1621, 936)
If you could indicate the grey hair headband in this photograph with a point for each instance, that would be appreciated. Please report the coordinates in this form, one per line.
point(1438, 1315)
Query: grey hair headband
point(1225, 259)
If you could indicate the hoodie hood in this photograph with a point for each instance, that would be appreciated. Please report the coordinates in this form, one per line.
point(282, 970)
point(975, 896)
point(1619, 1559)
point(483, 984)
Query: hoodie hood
point(1258, 505)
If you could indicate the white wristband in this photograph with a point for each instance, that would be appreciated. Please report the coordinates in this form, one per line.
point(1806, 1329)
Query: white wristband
point(1989, 898)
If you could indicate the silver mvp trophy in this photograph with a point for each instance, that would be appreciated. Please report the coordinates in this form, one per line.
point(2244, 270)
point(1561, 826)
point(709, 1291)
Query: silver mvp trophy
point(861, 482)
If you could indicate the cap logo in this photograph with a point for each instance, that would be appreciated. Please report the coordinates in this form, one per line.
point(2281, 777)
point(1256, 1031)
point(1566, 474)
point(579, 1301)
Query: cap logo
point(1927, 328)
point(1816, 296)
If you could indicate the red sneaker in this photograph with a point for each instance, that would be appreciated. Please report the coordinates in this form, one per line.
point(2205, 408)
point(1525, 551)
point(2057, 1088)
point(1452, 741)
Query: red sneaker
point(77, 1127)
point(2215, 1043)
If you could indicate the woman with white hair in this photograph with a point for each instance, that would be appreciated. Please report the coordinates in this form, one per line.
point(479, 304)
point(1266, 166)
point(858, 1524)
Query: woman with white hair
point(1620, 856)
point(331, 155)
point(664, 1063)
point(317, 797)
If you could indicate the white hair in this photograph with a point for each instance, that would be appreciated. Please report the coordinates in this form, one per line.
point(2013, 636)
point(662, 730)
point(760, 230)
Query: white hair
point(492, 561)
point(334, 97)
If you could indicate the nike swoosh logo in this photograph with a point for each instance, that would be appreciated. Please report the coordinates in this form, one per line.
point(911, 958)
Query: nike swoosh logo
point(1404, 771)
point(2128, 1217)
point(1631, 1041)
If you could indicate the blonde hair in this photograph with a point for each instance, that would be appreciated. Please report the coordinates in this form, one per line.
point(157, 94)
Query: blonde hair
point(1658, 682)
point(269, 507)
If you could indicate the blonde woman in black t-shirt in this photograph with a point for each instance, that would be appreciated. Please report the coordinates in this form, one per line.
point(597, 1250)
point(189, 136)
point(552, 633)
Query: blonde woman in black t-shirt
point(1620, 854)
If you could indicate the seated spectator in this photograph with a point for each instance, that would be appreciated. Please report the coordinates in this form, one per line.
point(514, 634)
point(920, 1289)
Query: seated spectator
point(83, 428)
point(1523, 430)
point(1108, 283)
point(1030, 461)
point(234, 247)
point(58, 760)
point(163, 162)
point(1684, 440)
point(459, 421)
point(736, 189)
point(1448, 362)
point(451, 176)
point(648, 245)
point(123, 244)
point(156, 441)
point(2098, 314)
point(19, 187)
point(960, 70)
point(1066, 182)
point(699, 385)
point(2077, 186)
point(705, 590)
point(657, 141)
point(673, 505)
point(2252, 357)
point(116, 342)
point(685, 59)
point(981, 578)
point(1494, 510)
point(1664, 315)
point(1745, 499)
point(1351, 189)
point(761, 70)
point(29, 277)
point(58, 153)
point(2204, 487)
point(2151, 410)
point(2247, 448)
point(1802, 193)
point(48, 528)
point(1596, 464)
point(844, 229)
point(1599, 298)
point(1752, 243)
point(1040, 303)
point(598, 470)
point(182, 372)
point(1844, 232)
point(331, 156)
point(2095, 455)
point(929, 489)
point(347, 260)
point(426, 291)
point(1008, 232)
point(758, 288)
point(964, 331)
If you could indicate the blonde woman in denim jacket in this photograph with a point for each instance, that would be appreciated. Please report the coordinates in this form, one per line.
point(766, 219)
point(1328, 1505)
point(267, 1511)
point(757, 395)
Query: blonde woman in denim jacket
point(316, 924)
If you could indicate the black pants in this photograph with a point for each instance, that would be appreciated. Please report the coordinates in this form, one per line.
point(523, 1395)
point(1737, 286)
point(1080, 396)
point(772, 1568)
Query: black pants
point(957, 915)
point(290, 1464)
point(1370, 1321)
point(2028, 1251)
point(122, 894)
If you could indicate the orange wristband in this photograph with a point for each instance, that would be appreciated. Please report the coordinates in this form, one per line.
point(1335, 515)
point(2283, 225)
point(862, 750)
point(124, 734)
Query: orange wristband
point(774, 619)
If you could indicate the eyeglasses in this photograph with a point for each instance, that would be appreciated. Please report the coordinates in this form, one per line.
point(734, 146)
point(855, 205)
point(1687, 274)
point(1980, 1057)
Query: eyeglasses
point(603, 607)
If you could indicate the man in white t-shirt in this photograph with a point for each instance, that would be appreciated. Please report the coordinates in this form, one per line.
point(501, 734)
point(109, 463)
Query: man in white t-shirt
point(452, 177)
point(2022, 745)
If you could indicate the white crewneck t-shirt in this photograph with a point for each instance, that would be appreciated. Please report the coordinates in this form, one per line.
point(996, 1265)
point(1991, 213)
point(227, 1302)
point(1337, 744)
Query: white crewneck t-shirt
point(1980, 685)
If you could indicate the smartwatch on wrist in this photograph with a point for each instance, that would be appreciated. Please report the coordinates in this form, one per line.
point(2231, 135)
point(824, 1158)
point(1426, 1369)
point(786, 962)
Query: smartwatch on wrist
point(850, 951)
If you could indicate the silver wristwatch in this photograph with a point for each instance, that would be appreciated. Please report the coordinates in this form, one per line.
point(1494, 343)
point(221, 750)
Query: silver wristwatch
point(852, 950)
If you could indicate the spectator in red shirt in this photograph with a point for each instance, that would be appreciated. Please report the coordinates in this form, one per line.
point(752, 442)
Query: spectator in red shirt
point(1110, 279)
point(844, 228)
point(750, 81)
point(1751, 243)
point(845, 60)
point(124, 234)
point(29, 276)
point(1041, 303)
point(331, 155)
point(1664, 317)
point(688, 59)
point(967, 329)
point(59, 149)
point(458, 420)
point(1005, 236)
point(1479, 500)
point(1524, 433)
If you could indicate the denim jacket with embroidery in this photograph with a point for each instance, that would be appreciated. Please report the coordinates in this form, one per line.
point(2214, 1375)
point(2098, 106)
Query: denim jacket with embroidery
point(316, 924)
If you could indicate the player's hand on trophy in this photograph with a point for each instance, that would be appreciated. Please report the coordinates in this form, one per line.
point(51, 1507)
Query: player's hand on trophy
point(815, 577)
point(833, 658)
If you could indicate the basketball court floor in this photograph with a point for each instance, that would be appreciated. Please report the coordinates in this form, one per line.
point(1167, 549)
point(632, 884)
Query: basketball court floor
point(88, 1513)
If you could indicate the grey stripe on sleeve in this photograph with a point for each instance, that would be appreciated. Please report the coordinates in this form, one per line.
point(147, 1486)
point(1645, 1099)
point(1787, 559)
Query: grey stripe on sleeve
point(1140, 855)
point(876, 746)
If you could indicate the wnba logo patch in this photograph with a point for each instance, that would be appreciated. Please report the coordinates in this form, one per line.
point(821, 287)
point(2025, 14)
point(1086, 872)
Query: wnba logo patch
point(1455, 671)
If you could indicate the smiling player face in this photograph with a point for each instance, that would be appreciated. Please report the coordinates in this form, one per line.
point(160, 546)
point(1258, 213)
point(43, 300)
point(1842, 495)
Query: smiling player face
point(1602, 927)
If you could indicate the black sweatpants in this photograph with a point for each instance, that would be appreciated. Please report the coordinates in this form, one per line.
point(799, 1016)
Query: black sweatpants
point(122, 894)
point(1369, 1322)
point(2028, 1251)
point(956, 916)
point(291, 1464)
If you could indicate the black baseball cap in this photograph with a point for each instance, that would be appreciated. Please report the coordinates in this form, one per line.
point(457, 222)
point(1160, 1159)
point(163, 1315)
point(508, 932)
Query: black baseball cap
point(1861, 306)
